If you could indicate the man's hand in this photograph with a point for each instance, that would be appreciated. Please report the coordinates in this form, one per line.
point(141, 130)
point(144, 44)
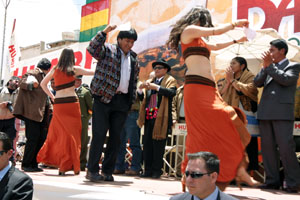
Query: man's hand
point(267, 59)
point(35, 84)
point(152, 86)
point(109, 28)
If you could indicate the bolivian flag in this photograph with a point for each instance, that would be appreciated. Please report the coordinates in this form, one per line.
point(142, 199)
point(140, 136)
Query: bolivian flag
point(94, 17)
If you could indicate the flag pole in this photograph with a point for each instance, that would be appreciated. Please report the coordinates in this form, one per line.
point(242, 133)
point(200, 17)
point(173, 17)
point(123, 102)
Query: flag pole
point(7, 2)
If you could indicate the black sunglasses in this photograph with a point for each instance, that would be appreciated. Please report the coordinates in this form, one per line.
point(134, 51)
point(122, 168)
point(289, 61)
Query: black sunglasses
point(2, 152)
point(158, 67)
point(195, 174)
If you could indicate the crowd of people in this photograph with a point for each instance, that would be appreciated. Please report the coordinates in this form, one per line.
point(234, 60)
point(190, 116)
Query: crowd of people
point(218, 144)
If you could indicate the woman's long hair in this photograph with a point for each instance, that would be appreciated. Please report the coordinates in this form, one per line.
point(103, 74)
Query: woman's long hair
point(194, 16)
point(66, 62)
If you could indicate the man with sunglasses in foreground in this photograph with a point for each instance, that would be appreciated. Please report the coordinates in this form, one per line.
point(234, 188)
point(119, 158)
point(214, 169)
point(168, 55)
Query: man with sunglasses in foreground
point(201, 175)
point(14, 184)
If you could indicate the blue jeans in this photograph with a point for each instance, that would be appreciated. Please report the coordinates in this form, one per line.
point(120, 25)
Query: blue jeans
point(131, 131)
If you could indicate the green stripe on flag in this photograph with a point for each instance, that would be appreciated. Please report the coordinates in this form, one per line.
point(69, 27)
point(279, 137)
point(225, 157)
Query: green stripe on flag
point(87, 35)
point(90, 1)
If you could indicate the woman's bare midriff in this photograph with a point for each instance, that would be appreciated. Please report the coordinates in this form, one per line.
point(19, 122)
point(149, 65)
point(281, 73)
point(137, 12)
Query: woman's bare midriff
point(199, 65)
point(68, 92)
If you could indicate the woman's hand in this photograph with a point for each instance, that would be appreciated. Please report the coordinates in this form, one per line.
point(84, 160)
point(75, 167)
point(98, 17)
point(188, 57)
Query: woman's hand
point(229, 74)
point(241, 23)
point(242, 39)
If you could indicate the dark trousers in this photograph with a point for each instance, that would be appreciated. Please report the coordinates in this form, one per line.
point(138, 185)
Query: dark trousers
point(112, 117)
point(279, 133)
point(153, 150)
point(84, 141)
point(36, 133)
point(8, 126)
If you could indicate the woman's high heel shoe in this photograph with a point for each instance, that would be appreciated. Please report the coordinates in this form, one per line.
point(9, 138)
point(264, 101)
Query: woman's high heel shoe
point(243, 177)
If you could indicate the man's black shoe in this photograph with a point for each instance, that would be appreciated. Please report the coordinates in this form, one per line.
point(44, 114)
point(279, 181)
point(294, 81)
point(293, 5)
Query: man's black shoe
point(156, 176)
point(37, 169)
point(31, 169)
point(108, 177)
point(291, 189)
point(269, 187)
point(146, 175)
point(94, 177)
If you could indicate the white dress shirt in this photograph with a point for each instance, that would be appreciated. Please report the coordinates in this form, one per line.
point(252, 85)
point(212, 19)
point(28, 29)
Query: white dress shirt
point(125, 73)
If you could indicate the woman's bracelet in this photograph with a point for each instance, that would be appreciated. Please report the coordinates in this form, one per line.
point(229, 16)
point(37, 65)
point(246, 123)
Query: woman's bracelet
point(232, 81)
point(233, 25)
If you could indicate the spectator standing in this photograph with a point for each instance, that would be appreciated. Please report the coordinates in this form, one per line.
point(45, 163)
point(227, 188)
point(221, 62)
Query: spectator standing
point(201, 175)
point(8, 96)
point(238, 90)
point(32, 106)
point(86, 106)
point(130, 132)
point(14, 184)
point(275, 113)
point(156, 115)
point(114, 90)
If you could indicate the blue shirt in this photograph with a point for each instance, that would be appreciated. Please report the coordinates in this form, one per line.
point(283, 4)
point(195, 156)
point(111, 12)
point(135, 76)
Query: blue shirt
point(212, 196)
point(5, 170)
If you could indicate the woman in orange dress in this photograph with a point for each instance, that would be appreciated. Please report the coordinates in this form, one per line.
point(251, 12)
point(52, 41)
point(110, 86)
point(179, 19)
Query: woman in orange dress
point(212, 125)
point(62, 146)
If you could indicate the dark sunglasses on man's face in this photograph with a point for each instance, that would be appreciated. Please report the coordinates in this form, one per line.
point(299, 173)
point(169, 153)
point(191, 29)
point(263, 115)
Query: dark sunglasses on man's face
point(158, 67)
point(2, 152)
point(195, 174)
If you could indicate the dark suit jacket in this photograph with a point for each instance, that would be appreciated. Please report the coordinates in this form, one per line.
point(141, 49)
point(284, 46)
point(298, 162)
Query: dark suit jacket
point(167, 92)
point(278, 97)
point(188, 196)
point(16, 185)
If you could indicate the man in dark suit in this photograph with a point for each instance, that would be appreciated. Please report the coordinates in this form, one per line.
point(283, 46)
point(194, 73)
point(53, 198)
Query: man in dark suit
point(275, 113)
point(14, 184)
point(114, 90)
point(155, 114)
point(201, 175)
point(33, 106)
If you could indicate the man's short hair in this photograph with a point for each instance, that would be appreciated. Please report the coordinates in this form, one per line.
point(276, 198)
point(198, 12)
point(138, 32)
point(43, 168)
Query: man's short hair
point(280, 44)
point(131, 34)
point(44, 64)
point(13, 78)
point(7, 143)
point(212, 162)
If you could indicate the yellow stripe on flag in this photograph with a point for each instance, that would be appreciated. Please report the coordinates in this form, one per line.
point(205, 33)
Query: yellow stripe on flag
point(94, 20)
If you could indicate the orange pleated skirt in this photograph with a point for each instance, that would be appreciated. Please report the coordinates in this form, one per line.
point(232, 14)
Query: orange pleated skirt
point(62, 146)
point(214, 126)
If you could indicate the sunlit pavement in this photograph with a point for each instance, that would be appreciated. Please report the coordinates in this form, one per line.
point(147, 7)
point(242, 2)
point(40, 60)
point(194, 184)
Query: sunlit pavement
point(48, 185)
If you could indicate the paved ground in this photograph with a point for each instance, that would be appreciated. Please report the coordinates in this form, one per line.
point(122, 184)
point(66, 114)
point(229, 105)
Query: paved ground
point(48, 185)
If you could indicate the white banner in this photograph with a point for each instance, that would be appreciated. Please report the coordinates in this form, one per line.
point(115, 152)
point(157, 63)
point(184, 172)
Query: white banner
point(82, 58)
point(13, 49)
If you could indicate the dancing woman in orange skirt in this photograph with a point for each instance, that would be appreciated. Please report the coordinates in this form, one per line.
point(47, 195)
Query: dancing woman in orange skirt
point(62, 146)
point(212, 125)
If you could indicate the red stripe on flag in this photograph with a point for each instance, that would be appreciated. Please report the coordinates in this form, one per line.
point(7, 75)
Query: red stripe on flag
point(31, 67)
point(94, 7)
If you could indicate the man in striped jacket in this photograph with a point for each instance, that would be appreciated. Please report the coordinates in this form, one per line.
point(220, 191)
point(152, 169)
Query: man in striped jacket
point(114, 90)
